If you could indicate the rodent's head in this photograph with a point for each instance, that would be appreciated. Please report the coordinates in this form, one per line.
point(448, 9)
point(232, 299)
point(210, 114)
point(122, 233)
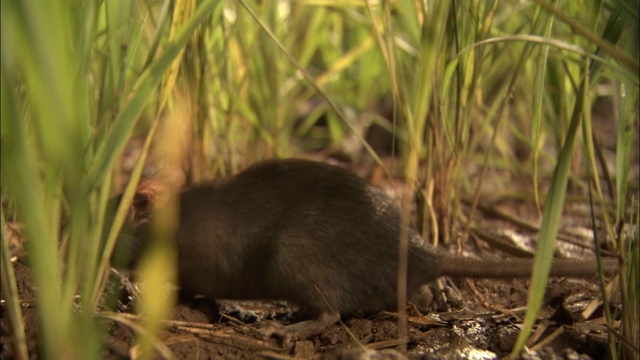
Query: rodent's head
point(152, 194)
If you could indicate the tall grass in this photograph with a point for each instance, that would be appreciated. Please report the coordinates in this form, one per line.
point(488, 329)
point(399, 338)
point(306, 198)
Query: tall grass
point(69, 107)
point(466, 83)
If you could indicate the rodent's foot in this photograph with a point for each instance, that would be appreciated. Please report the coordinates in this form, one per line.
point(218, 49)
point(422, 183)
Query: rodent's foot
point(269, 328)
point(297, 331)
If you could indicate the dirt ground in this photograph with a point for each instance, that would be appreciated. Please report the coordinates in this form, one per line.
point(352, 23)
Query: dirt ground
point(477, 319)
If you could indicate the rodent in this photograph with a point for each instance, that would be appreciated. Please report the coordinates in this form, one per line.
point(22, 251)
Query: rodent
point(313, 234)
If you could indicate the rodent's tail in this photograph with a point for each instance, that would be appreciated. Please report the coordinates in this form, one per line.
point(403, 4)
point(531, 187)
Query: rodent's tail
point(522, 268)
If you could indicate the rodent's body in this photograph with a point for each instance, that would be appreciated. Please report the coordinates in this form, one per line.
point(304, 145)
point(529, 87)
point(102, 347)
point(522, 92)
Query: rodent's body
point(300, 231)
point(313, 234)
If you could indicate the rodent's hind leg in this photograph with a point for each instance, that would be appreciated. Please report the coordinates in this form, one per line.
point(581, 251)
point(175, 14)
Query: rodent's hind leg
point(299, 330)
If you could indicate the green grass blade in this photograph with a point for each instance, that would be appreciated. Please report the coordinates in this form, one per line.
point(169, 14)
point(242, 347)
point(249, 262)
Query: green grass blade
point(22, 179)
point(551, 218)
point(538, 97)
point(10, 292)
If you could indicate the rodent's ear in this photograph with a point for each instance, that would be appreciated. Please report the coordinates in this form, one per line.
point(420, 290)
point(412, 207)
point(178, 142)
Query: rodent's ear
point(145, 198)
point(154, 193)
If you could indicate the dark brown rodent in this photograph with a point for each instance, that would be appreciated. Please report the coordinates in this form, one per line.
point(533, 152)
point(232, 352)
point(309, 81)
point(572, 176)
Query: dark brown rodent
point(295, 229)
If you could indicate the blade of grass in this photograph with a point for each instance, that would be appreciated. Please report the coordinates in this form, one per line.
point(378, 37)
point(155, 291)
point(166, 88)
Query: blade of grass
point(552, 215)
point(10, 291)
point(563, 45)
point(592, 173)
point(624, 144)
point(627, 115)
point(158, 266)
point(631, 314)
point(538, 96)
point(21, 178)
